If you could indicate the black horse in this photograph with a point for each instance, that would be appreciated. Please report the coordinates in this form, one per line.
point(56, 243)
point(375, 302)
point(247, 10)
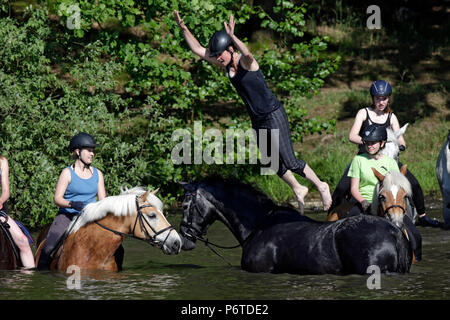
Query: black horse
point(9, 253)
point(280, 240)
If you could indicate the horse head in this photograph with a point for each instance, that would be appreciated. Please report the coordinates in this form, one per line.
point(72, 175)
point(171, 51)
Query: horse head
point(198, 215)
point(390, 200)
point(153, 225)
point(392, 147)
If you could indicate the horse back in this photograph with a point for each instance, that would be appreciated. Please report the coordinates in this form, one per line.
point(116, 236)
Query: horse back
point(363, 241)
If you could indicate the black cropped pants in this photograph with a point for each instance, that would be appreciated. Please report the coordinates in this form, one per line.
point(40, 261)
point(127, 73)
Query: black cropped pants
point(278, 119)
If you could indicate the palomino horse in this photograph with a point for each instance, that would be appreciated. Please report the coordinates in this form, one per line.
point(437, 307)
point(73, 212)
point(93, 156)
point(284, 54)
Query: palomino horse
point(280, 240)
point(390, 200)
point(9, 253)
point(100, 229)
point(443, 176)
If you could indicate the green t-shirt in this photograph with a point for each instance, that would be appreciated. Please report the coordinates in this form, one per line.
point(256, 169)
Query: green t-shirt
point(361, 167)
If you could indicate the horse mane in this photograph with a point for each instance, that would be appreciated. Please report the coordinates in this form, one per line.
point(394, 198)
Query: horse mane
point(121, 205)
point(233, 184)
point(392, 178)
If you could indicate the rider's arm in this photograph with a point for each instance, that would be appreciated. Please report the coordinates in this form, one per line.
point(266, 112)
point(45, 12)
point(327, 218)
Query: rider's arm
point(193, 43)
point(354, 189)
point(354, 136)
point(5, 181)
point(395, 125)
point(61, 186)
point(101, 192)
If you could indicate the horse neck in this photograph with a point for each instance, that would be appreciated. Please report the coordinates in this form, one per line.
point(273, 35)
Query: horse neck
point(242, 215)
point(92, 244)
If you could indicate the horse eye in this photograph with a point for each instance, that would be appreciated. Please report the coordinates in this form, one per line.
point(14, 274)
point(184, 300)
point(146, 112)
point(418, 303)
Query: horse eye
point(381, 197)
point(151, 215)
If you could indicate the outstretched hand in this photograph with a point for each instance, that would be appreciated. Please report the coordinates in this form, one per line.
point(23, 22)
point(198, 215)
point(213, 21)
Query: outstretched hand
point(229, 27)
point(179, 20)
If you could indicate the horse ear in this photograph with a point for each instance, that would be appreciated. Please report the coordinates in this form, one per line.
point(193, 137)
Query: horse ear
point(187, 186)
point(144, 195)
point(379, 176)
point(401, 131)
point(403, 169)
point(154, 191)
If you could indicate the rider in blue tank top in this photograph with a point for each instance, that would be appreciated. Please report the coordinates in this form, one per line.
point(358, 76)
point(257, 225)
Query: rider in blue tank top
point(78, 185)
point(81, 190)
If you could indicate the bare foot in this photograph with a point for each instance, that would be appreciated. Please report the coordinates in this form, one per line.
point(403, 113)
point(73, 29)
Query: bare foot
point(324, 191)
point(300, 193)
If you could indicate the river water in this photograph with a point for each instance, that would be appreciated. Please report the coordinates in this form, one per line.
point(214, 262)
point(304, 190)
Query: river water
point(199, 274)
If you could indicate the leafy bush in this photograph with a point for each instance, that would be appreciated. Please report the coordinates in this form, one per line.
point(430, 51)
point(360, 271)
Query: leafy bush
point(127, 77)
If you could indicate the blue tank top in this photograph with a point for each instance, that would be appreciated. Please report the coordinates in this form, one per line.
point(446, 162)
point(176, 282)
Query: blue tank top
point(255, 93)
point(79, 189)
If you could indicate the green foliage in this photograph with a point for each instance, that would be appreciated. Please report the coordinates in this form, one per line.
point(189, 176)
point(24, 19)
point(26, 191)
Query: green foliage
point(121, 71)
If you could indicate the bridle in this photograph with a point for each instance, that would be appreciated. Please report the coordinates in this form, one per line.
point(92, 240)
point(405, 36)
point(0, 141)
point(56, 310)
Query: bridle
point(143, 223)
point(386, 211)
point(189, 225)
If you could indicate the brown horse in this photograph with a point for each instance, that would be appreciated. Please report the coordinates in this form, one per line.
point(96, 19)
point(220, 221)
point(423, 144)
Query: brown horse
point(95, 237)
point(9, 253)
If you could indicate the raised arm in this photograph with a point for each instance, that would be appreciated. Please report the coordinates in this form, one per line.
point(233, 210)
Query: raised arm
point(354, 136)
point(247, 59)
point(192, 42)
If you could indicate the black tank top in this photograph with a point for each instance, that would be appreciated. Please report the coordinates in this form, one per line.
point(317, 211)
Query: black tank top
point(255, 93)
point(368, 122)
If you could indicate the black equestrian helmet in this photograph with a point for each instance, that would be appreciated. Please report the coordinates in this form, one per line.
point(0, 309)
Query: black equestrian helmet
point(218, 43)
point(82, 140)
point(374, 133)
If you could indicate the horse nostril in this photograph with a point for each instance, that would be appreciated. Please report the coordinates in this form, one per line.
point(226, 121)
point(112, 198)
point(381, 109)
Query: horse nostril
point(176, 246)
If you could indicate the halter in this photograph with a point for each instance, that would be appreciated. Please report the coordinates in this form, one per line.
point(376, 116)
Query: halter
point(202, 233)
point(143, 223)
point(386, 211)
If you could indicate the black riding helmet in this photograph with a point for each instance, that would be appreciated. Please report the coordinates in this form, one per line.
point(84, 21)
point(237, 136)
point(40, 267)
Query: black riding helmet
point(374, 133)
point(219, 42)
point(82, 140)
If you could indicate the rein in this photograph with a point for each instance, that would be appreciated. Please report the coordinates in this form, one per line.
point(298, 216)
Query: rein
point(207, 243)
point(143, 223)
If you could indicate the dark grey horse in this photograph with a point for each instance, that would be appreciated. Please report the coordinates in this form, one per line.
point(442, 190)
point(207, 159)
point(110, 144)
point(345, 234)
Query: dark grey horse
point(280, 240)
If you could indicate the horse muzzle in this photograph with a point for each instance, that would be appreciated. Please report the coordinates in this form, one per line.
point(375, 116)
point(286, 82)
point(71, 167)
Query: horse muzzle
point(172, 242)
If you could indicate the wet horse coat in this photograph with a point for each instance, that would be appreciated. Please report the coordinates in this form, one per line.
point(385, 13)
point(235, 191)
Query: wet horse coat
point(443, 177)
point(280, 240)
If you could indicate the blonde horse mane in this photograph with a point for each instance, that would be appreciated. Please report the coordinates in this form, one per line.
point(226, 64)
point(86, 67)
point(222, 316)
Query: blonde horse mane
point(121, 205)
point(392, 178)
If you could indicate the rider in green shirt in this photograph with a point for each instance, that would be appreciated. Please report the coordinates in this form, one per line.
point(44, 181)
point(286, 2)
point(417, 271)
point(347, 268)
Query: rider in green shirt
point(363, 180)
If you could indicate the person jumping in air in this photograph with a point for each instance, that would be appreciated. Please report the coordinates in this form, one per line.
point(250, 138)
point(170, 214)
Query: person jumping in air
point(265, 110)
